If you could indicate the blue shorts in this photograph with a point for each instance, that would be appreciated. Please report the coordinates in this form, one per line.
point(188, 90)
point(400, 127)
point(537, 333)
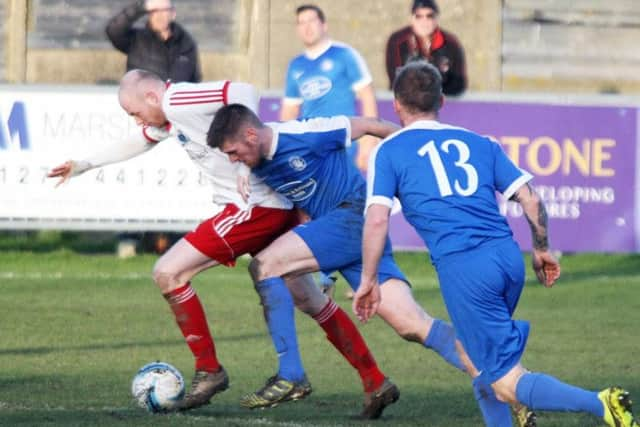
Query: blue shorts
point(335, 239)
point(481, 289)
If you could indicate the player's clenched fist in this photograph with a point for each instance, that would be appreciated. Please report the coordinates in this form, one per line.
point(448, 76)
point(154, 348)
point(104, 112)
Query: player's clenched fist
point(546, 267)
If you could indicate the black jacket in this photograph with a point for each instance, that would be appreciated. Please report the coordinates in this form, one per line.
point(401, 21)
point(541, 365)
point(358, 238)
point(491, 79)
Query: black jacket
point(175, 59)
point(445, 52)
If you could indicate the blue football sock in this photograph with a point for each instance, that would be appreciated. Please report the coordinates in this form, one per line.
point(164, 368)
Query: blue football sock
point(279, 314)
point(544, 392)
point(442, 340)
point(494, 412)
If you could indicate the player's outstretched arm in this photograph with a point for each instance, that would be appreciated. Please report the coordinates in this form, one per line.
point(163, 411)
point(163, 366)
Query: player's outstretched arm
point(68, 169)
point(136, 144)
point(371, 126)
point(545, 265)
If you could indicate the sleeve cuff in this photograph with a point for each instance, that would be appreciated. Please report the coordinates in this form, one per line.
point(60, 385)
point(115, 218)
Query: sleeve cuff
point(361, 83)
point(515, 185)
point(379, 200)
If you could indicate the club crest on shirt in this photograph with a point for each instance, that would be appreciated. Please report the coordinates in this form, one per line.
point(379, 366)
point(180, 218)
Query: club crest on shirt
point(297, 163)
point(315, 88)
point(326, 65)
point(183, 138)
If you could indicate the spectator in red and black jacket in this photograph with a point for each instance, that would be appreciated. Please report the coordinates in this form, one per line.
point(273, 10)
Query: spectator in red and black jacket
point(425, 40)
point(162, 46)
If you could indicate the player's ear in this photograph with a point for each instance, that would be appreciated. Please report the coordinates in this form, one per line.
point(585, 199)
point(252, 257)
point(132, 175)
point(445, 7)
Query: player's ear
point(399, 110)
point(151, 97)
point(396, 106)
point(251, 134)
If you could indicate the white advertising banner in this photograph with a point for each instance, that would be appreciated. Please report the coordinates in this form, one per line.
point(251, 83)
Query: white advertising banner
point(42, 127)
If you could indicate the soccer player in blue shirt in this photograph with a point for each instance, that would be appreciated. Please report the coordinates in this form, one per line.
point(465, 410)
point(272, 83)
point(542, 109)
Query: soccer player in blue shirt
point(327, 78)
point(446, 178)
point(307, 163)
point(325, 81)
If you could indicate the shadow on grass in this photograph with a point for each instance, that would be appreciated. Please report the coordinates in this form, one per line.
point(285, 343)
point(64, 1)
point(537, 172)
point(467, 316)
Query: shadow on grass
point(117, 346)
point(418, 406)
point(428, 408)
point(49, 241)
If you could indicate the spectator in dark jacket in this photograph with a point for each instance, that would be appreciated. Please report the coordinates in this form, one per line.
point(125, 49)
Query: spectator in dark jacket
point(425, 40)
point(162, 46)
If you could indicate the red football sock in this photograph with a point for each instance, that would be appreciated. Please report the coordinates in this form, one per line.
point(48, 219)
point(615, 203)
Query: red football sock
point(344, 335)
point(192, 321)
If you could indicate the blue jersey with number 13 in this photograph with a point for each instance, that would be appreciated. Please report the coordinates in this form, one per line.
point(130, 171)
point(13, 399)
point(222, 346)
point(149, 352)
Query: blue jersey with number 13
point(446, 178)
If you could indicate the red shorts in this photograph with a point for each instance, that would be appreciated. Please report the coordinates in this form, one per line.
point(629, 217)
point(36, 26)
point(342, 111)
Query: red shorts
point(234, 232)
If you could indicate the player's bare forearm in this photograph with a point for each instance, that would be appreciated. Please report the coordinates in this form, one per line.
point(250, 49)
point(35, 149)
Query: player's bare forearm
point(536, 215)
point(367, 299)
point(367, 97)
point(545, 265)
point(374, 237)
point(371, 126)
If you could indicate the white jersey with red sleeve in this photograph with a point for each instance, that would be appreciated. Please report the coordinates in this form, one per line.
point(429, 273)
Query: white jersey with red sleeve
point(190, 108)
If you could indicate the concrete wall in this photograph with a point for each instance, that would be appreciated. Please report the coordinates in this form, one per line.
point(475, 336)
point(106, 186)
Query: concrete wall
point(571, 45)
point(367, 29)
point(265, 39)
point(513, 45)
point(3, 30)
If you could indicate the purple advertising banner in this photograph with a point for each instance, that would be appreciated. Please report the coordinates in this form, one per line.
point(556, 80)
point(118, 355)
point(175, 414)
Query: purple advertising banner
point(583, 159)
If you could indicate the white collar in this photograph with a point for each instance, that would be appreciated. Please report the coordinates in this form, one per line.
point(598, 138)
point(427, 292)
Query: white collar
point(274, 140)
point(317, 51)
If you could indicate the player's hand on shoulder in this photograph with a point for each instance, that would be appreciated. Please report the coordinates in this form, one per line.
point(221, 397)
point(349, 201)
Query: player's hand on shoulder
point(546, 267)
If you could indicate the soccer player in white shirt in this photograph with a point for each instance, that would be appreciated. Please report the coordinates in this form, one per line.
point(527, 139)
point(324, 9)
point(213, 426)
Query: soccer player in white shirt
point(185, 110)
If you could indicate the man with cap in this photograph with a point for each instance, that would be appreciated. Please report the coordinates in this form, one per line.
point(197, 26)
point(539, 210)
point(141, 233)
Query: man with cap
point(423, 39)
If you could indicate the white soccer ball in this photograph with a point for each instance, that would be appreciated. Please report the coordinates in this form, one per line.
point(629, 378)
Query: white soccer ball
point(157, 387)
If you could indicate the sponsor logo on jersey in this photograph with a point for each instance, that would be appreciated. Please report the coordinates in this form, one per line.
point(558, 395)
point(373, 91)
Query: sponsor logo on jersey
point(298, 191)
point(315, 88)
point(297, 163)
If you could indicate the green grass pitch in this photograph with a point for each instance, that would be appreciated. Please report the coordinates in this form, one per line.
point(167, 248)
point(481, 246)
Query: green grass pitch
point(75, 327)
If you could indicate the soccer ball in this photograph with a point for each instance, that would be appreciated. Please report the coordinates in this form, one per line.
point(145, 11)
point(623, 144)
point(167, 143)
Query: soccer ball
point(157, 387)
